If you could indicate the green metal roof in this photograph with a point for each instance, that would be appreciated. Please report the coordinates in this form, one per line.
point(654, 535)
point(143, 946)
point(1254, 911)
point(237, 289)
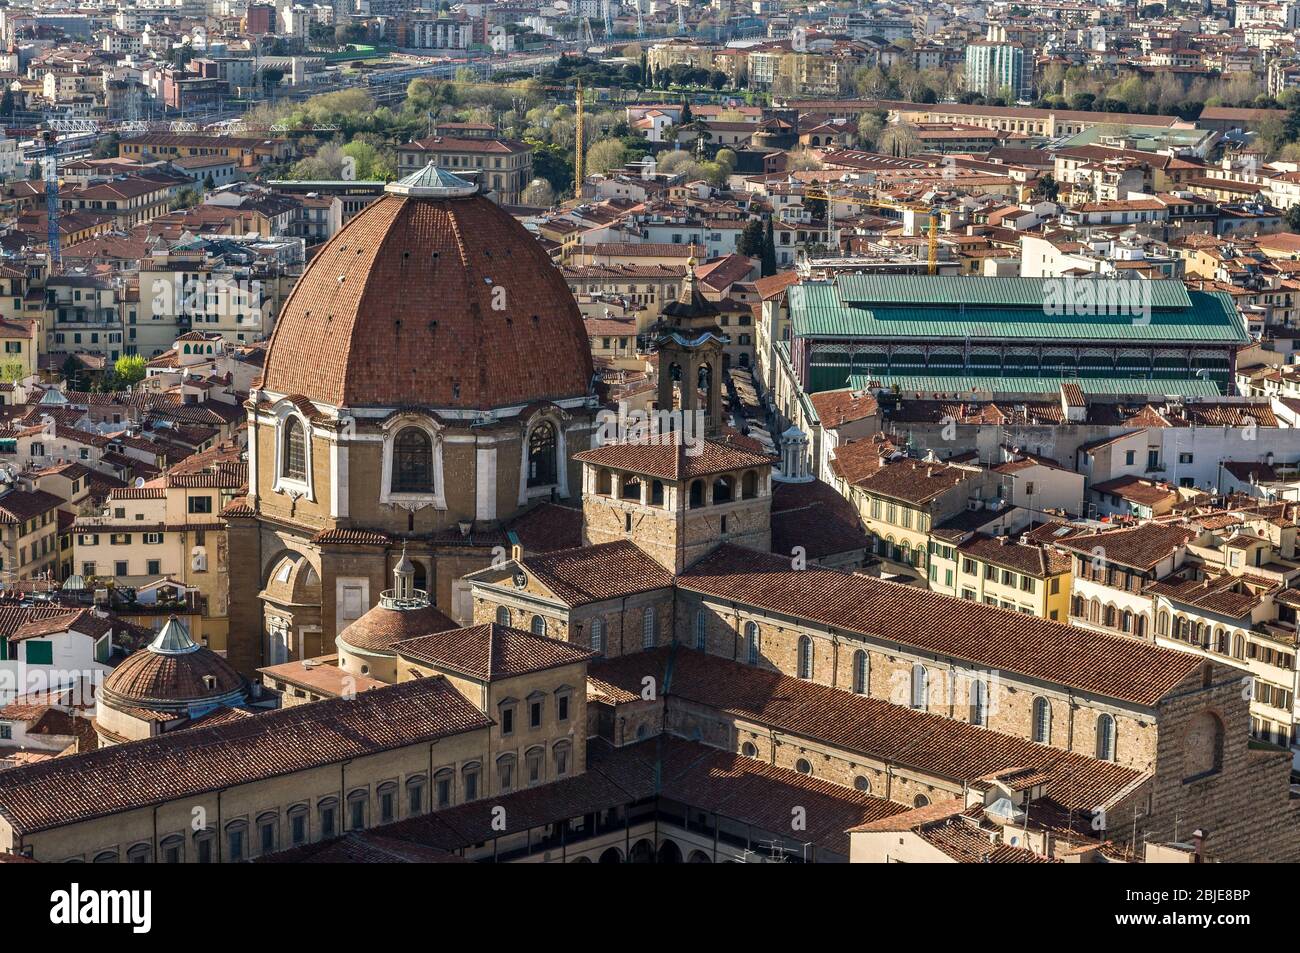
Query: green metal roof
point(816, 310)
point(947, 290)
point(1033, 386)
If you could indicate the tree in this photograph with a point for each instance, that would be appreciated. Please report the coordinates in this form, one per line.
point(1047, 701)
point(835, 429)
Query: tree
point(802, 160)
point(769, 251)
point(605, 155)
point(128, 370)
point(899, 139)
point(751, 239)
point(1293, 218)
point(539, 194)
point(870, 125)
point(72, 372)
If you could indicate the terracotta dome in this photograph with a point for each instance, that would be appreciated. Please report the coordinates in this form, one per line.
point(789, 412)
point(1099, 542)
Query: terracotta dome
point(431, 296)
point(173, 673)
point(380, 628)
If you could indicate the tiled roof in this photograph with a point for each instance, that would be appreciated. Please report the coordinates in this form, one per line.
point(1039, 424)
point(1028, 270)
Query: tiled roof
point(190, 763)
point(914, 481)
point(835, 408)
point(813, 516)
point(1005, 551)
point(547, 527)
point(489, 652)
point(18, 506)
point(1139, 547)
point(1108, 666)
point(381, 628)
point(673, 461)
point(938, 746)
point(357, 330)
point(596, 573)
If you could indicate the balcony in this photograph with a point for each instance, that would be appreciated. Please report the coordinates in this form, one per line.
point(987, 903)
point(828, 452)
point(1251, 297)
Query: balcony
point(418, 599)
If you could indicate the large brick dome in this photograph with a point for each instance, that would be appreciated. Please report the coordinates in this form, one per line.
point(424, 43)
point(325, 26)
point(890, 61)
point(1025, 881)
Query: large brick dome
point(398, 309)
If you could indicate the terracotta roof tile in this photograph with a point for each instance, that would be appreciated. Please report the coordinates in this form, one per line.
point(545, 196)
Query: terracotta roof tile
point(1012, 642)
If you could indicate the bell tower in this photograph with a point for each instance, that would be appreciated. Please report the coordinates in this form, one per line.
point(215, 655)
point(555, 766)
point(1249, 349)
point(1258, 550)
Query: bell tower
point(690, 344)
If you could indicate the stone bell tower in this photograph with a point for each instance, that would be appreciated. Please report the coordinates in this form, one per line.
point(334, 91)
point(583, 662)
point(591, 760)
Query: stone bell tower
point(690, 344)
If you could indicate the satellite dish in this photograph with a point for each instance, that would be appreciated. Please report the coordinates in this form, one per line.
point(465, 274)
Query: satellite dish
point(139, 482)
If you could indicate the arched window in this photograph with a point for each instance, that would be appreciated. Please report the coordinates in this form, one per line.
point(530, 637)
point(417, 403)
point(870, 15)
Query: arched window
point(749, 485)
point(506, 773)
point(862, 783)
point(697, 494)
point(648, 628)
point(722, 490)
point(920, 687)
point(1203, 746)
point(298, 824)
point(1238, 647)
point(749, 749)
point(802, 766)
point(538, 625)
point(469, 780)
point(805, 657)
point(503, 615)
point(1126, 621)
point(979, 702)
point(751, 642)
point(1221, 641)
point(562, 753)
point(293, 463)
point(412, 462)
point(105, 857)
point(1042, 720)
point(139, 854)
point(598, 636)
point(542, 455)
point(534, 766)
point(1105, 738)
point(1162, 623)
point(920, 801)
point(861, 672)
point(701, 630)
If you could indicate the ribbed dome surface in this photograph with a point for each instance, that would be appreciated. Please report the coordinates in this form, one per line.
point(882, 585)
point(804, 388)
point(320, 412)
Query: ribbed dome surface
point(398, 309)
point(381, 627)
point(168, 680)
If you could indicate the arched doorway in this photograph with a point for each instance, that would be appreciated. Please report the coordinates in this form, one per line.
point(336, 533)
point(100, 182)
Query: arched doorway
point(581, 860)
point(643, 852)
point(699, 857)
point(612, 856)
point(669, 853)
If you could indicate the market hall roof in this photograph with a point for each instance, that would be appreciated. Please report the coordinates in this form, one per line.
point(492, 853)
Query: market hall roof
point(1083, 310)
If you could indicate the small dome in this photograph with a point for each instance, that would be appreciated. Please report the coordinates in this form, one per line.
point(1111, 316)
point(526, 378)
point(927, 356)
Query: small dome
point(380, 628)
point(173, 673)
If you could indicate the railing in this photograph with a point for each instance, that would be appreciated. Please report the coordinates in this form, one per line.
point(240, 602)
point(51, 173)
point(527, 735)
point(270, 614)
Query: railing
point(418, 599)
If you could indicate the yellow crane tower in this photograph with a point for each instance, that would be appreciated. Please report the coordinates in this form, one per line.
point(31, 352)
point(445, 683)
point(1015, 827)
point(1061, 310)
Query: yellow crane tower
point(579, 145)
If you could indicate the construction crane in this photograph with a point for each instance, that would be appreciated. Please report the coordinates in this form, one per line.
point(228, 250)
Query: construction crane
point(586, 32)
point(681, 18)
point(607, 9)
point(640, 21)
point(50, 173)
point(579, 144)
